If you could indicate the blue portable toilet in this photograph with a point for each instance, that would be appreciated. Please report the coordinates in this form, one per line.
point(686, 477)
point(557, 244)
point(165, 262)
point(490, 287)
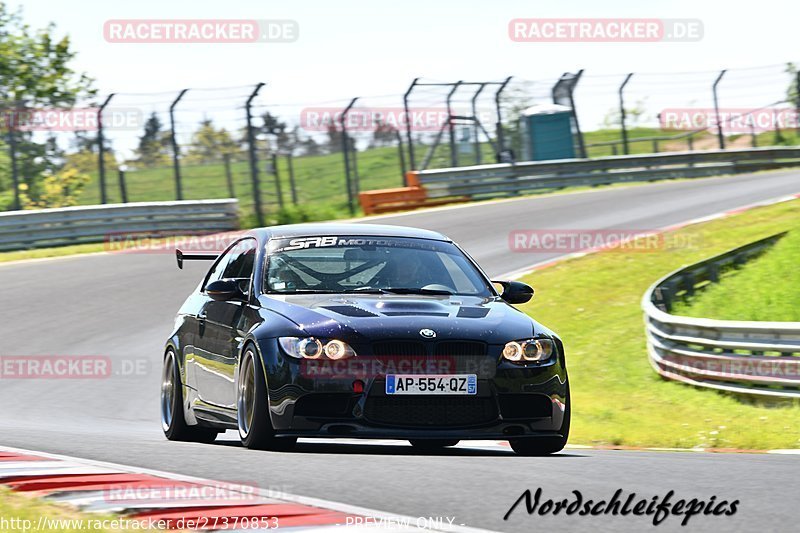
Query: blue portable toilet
point(547, 133)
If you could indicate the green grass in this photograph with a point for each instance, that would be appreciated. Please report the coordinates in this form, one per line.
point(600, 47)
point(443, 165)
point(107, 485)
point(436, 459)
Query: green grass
point(319, 183)
point(593, 302)
point(20, 512)
point(766, 288)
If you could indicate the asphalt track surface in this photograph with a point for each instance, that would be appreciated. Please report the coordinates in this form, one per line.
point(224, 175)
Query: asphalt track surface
point(122, 306)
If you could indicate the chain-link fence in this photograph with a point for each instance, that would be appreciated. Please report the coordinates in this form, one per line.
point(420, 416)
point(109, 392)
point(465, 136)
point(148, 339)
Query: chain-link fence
point(306, 161)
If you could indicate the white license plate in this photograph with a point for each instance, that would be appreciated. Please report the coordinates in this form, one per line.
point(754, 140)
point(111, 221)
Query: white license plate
point(427, 384)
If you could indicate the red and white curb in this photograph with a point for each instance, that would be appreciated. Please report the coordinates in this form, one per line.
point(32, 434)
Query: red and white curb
point(516, 274)
point(183, 502)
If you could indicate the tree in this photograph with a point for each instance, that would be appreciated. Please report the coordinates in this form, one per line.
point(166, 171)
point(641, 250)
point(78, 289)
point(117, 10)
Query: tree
point(153, 149)
point(334, 139)
point(210, 144)
point(383, 135)
point(36, 73)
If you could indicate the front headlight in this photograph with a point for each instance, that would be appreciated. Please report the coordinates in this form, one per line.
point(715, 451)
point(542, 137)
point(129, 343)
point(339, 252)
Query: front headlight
point(313, 348)
point(530, 350)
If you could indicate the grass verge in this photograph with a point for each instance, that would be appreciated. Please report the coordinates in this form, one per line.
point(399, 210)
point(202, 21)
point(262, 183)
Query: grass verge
point(21, 512)
point(767, 288)
point(593, 302)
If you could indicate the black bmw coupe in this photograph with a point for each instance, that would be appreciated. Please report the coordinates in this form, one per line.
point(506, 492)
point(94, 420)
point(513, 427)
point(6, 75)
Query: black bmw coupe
point(356, 330)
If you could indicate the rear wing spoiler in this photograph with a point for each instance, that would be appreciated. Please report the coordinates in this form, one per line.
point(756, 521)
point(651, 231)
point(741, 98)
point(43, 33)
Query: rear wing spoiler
point(181, 257)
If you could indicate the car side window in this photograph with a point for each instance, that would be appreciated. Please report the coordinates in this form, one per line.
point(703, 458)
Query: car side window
point(218, 269)
point(242, 259)
point(236, 262)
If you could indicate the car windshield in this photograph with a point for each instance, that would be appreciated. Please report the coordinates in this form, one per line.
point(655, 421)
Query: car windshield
point(335, 264)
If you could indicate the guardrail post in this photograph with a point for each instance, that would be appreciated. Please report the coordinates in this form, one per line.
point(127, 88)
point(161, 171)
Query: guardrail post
point(226, 158)
point(101, 150)
point(346, 152)
point(12, 154)
point(123, 190)
point(407, 94)
point(176, 165)
point(292, 185)
point(501, 141)
point(753, 138)
point(451, 126)
point(251, 147)
point(720, 136)
point(622, 114)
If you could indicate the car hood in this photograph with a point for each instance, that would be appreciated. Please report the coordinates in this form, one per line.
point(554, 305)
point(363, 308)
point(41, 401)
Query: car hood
point(370, 317)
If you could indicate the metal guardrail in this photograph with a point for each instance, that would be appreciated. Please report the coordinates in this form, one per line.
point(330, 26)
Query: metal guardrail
point(83, 224)
point(513, 178)
point(756, 358)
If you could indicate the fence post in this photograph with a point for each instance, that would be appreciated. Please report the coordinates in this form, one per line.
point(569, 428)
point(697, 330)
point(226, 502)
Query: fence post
point(226, 158)
point(123, 190)
point(720, 136)
point(176, 164)
point(12, 153)
point(501, 141)
point(564, 90)
point(292, 185)
point(251, 146)
point(356, 179)
point(450, 126)
point(475, 123)
point(278, 188)
point(346, 152)
point(753, 138)
point(408, 125)
point(797, 102)
point(402, 157)
point(622, 113)
point(101, 150)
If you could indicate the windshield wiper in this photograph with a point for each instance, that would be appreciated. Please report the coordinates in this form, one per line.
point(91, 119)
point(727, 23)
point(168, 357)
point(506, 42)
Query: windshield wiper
point(415, 290)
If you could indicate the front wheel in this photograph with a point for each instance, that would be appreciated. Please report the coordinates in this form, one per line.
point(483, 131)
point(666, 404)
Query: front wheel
point(252, 407)
point(172, 420)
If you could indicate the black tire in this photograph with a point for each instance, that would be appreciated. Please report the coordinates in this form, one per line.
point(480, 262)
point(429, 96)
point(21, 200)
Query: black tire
point(432, 444)
point(252, 406)
point(540, 446)
point(173, 423)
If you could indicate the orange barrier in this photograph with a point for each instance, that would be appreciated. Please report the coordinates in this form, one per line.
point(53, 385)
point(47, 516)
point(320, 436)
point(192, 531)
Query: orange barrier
point(411, 197)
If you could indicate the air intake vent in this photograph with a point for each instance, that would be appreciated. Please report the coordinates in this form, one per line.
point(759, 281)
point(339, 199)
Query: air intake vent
point(473, 312)
point(349, 310)
point(399, 349)
point(456, 348)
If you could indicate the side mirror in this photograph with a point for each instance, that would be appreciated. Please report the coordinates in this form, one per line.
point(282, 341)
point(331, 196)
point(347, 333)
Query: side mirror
point(223, 290)
point(515, 292)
